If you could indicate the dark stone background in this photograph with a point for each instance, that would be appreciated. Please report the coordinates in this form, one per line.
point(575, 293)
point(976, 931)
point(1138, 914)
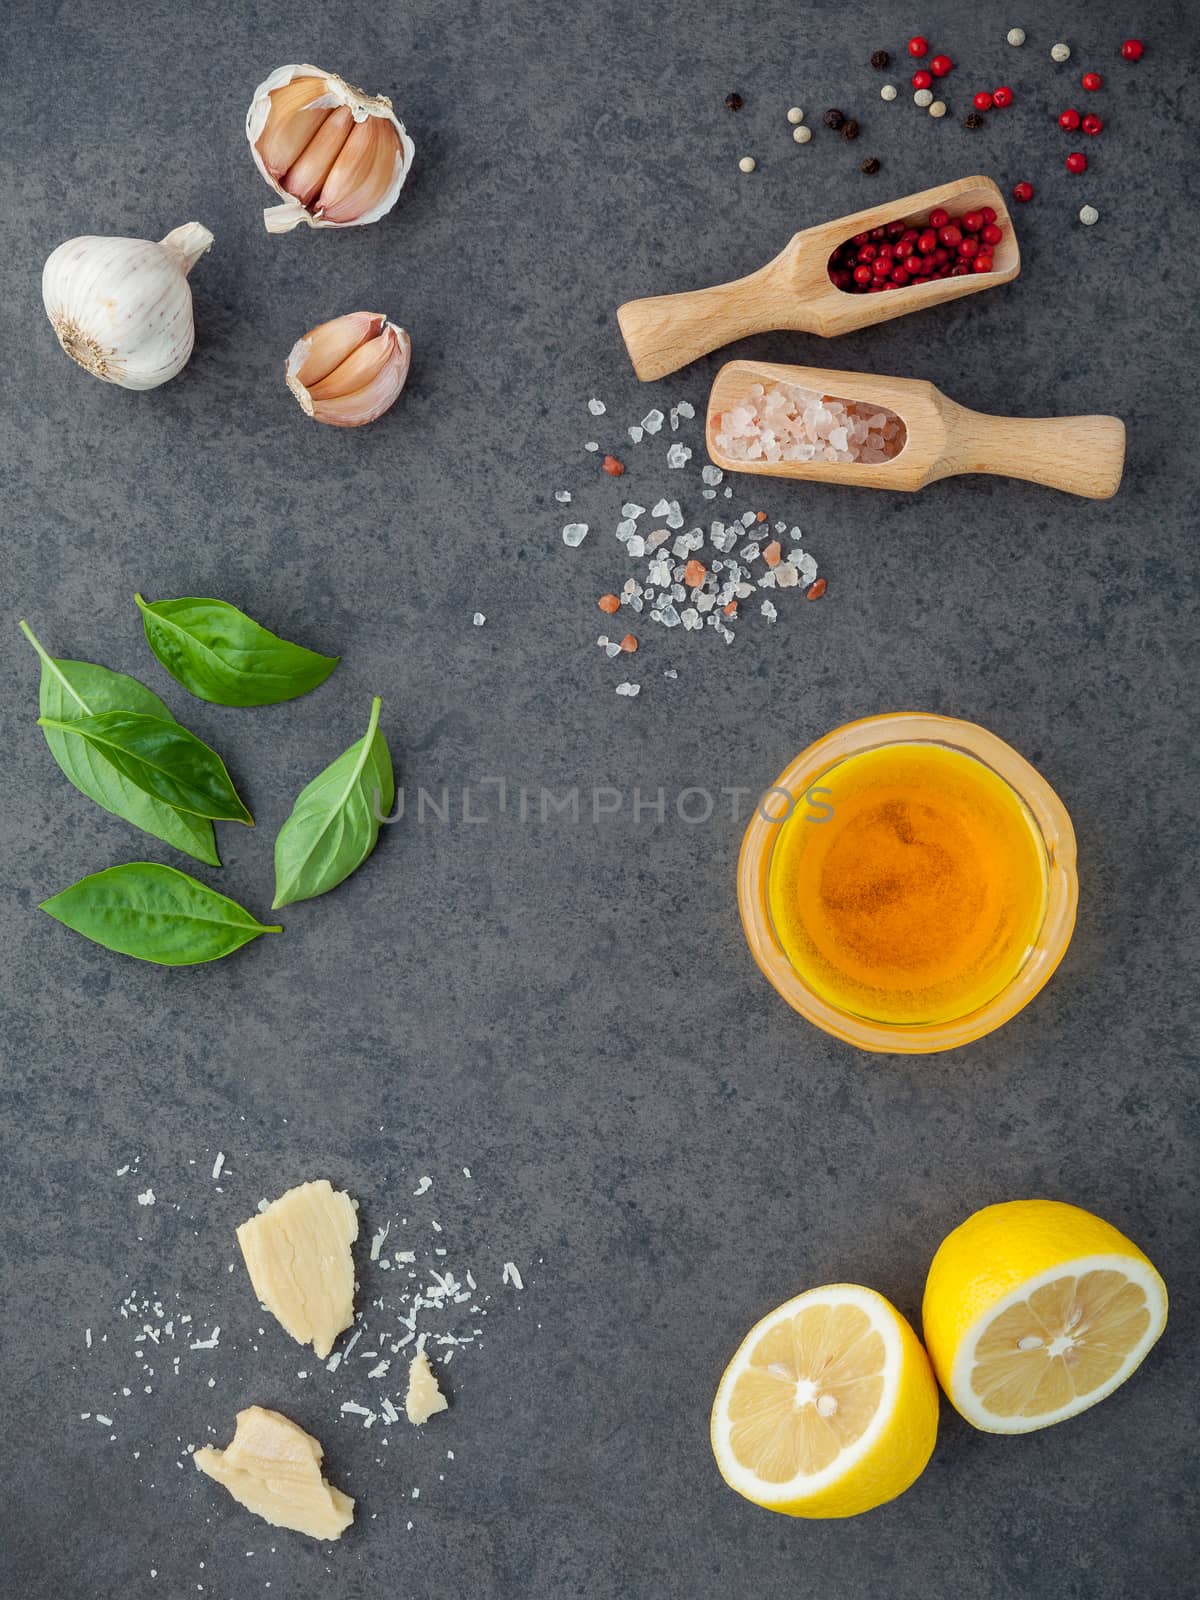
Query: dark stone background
point(570, 1010)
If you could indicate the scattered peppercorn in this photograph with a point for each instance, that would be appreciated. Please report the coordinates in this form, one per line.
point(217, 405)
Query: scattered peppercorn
point(816, 589)
point(1022, 191)
point(917, 46)
point(940, 66)
point(849, 129)
point(983, 101)
point(833, 118)
point(613, 467)
point(1002, 97)
point(972, 120)
point(1016, 36)
point(1089, 215)
point(1069, 119)
point(1060, 52)
point(1092, 124)
point(1132, 49)
point(881, 59)
point(1092, 81)
point(1077, 161)
point(871, 165)
point(733, 102)
point(922, 79)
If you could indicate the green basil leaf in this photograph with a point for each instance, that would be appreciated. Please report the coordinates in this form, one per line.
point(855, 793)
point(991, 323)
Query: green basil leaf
point(155, 913)
point(220, 654)
point(334, 823)
point(161, 758)
point(73, 689)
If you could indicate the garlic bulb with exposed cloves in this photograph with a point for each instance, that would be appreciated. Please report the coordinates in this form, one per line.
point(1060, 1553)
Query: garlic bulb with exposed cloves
point(349, 371)
point(122, 308)
point(335, 156)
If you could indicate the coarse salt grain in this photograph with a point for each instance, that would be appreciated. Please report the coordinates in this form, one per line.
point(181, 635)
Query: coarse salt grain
point(574, 534)
point(597, 407)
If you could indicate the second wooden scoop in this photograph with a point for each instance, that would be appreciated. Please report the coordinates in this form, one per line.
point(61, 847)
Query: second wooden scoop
point(1080, 455)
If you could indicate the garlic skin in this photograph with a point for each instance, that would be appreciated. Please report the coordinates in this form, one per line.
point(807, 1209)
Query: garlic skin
point(329, 171)
point(349, 371)
point(122, 308)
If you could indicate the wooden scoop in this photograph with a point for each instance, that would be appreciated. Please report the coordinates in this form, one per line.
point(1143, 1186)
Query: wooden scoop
point(1081, 455)
point(795, 290)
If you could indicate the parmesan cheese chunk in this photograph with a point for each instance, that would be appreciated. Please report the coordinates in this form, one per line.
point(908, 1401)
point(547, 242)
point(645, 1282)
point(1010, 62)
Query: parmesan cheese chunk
point(424, 1399)
point(273, 1468)
point(297, 1253)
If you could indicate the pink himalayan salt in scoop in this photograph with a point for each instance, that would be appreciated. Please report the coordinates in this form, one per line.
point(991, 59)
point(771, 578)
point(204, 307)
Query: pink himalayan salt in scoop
point(784, 422)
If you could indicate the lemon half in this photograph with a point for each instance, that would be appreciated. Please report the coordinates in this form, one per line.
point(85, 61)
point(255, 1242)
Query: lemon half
point(1034, 1310)
point(828, 1408)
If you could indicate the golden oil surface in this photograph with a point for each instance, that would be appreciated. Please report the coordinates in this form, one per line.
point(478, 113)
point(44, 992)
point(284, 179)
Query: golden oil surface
point(920, 896)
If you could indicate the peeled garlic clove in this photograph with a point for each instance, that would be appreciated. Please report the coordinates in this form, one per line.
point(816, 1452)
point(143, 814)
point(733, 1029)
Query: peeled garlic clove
point(122, 308)
point(349, 371)
point(309, 171)
point(292, 123)
point(283, 122)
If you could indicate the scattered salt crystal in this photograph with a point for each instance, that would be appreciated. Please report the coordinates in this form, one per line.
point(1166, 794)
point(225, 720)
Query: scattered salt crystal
point(711, 475)
point(563, 496)
point(146, 1198)
point(632, 509)
point(674, 515)
point(425, 1184)
point(635, 546)
point(635, 433)
point(630, 689)
point(652, 421)
point(597, 407)
point(626, 529)
point(678, 456)
point(479, 619)
point(785, 575)
point(660, 509)
point(708, 494)
point(804, 564)
point(670, 672)
point(591, 445)
point(686, 409)
point(574, 534)
point(750, 552)
point(218, 1164)
point(769, 611)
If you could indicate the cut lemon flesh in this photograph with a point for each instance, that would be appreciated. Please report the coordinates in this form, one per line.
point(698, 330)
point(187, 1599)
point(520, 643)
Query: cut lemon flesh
point(1035, 1310)
point(828, 1408)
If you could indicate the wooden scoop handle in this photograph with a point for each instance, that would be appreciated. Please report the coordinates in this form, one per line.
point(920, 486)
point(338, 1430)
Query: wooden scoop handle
point(1081, 455)
point(669, 330)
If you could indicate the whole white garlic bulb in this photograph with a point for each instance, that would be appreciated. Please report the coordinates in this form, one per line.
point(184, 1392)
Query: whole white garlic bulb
point(335, 156)
point(349, 371)
point(122, 308)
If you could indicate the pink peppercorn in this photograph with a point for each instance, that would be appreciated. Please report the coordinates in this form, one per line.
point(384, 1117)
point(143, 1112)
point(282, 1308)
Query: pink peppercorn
point(1003, 96)
point(1132, 49)
point(1022, 191)
point(1077, 161)
point(1069, 120)
point(1092, 81)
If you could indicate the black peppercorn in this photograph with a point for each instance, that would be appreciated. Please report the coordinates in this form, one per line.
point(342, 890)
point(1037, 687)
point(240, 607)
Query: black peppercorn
point(733, 102)
point(850, 129)
point(871, 164)
point(880, 60)
point(833, 119)
point(973, 120)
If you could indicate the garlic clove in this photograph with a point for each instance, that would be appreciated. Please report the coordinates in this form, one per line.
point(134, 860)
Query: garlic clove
point(364, 383)
point(122, 308)
point(292, 123)
point(309, 171)
point(316, 355)
point(359, 369)
point(360, 176)
point(360, 194)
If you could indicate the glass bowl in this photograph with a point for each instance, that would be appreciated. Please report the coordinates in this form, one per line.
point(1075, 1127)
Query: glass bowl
point(1052, 825)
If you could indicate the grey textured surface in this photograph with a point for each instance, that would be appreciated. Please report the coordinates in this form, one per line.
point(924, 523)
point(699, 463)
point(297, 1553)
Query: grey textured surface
point(570, 1010)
